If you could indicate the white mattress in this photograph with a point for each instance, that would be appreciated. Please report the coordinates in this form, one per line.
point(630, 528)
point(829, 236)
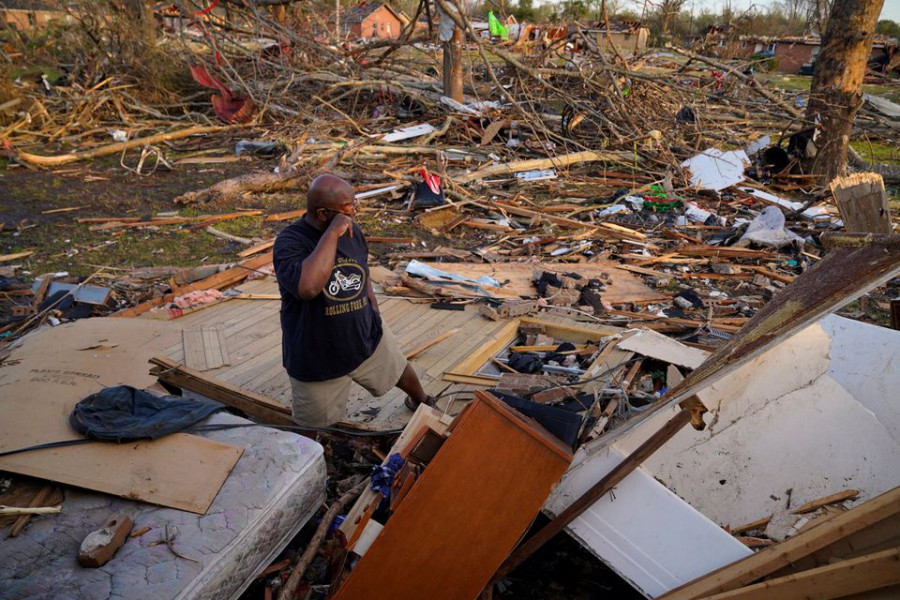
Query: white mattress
point(274, 489)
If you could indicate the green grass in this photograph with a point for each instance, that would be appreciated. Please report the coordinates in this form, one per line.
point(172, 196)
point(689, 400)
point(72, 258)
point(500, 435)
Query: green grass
point(796, 83)
point(877, 152)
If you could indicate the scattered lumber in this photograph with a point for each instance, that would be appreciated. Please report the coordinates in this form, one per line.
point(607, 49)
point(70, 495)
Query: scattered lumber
point(252, 404)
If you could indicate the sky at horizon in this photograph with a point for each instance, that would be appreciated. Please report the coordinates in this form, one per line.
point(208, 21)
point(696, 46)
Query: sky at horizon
point(890, 10)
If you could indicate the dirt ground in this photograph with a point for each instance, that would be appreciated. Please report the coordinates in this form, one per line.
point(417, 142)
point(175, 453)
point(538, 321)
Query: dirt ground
point(104, 189)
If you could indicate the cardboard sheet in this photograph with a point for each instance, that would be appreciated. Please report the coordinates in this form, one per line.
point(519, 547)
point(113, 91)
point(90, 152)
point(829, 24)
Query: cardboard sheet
point(52, 369)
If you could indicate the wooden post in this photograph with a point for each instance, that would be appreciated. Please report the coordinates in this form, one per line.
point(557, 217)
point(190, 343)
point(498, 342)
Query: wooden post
point(337, 20)
point(862, 202)
point(632, 462)
point(453, 80)
point(895, 314)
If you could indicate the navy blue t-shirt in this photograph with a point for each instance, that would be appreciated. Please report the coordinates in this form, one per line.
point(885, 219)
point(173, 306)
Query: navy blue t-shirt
point(332, 334)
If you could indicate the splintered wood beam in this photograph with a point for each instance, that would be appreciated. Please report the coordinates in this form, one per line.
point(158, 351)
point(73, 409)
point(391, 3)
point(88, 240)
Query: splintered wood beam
point(863, 203)
point(251, 403)
point(773, 558)
point(810, 506)
point(844, 578)
point(541, 163)
point(432, 342)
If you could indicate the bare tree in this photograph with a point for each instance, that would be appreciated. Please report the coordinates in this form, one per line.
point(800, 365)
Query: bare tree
point(836, 92)
point(817, 12)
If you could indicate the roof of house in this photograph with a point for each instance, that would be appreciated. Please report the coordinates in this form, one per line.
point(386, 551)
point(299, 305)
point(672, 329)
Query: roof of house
point(619, 26)
point(358, 13)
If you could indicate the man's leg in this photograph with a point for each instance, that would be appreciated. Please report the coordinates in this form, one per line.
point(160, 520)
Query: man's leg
point(319, 403)
point(388, 368)
point(409, 383)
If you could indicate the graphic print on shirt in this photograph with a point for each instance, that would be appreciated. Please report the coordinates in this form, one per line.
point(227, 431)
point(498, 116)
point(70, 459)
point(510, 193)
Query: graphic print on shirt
point(345, 288)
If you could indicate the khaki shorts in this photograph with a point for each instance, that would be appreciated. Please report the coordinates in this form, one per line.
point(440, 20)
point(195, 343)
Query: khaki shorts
point(324, 403)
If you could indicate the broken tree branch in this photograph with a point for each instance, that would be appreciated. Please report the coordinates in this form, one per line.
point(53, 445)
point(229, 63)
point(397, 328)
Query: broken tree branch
point(63, 159)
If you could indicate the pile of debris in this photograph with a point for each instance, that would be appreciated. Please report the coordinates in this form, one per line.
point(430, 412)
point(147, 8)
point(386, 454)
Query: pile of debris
point(633, 227)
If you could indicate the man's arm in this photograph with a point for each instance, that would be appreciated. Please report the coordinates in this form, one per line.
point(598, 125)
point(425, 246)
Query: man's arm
point(317, 267)
point(370, 292)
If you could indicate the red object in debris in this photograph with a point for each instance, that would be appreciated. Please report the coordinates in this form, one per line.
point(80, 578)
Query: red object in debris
point(207, 9)
point(228, 106)
point(432, 181)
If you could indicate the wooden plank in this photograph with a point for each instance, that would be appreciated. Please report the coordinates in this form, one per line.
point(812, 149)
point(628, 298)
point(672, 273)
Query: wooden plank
point(472, 335)
point(471, 379)
point(249, 402)
point(489, 348)
point(285, 216)
point(611, 229)
point(847, 577)
point(573, 333)
point(14, 256)
point(835, 498)
point(780, 555)
point(205, 348)
point(38, 499)
point(725, 252)
point(261, 247)
point(411, 354)
point(194, 356)
point(881, 536)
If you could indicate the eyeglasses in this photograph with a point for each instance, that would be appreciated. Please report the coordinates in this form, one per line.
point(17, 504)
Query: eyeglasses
point(352, 211)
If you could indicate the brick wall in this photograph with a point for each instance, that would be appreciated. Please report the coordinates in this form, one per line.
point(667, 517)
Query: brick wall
point(793, 56)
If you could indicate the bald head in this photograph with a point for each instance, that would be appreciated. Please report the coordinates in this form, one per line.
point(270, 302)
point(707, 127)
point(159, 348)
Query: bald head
point(328, 191)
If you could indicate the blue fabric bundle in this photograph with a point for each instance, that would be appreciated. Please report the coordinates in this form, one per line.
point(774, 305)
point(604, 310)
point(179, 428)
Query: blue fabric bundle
point(383, 475)
point(123, 413)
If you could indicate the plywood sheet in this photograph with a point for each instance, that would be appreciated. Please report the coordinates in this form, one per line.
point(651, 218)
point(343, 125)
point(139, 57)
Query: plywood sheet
point(55, 368)
point(621, 286)
point(205, 348)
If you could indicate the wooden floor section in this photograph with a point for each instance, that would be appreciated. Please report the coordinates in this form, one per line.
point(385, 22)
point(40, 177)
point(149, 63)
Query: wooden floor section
point(252, 335)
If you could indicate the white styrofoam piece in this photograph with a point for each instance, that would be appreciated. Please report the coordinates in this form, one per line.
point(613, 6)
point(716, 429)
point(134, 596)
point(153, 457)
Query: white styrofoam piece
point(537, 175)
point(377, 191)
point(656, 345)
point(716, 170)
point(817, 414)
point(643, 531)
point(406, 133)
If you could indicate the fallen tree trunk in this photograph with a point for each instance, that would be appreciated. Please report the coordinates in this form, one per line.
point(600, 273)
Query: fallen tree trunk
point(64, 159)
point(890, 173)
point(544, 163)
point(237, 186)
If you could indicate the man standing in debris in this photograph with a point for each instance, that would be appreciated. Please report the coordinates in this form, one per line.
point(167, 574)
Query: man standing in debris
point(332, 332)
